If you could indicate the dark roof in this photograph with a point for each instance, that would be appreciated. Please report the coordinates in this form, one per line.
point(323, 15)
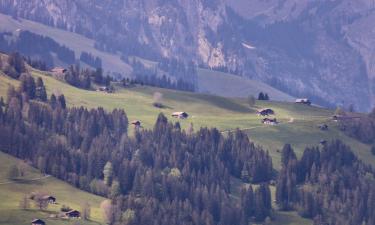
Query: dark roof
point(136, 122)
point(38, 221)
point(72, 212)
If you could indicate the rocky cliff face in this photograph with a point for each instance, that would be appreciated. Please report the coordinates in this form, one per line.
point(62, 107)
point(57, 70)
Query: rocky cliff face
point(322, 49)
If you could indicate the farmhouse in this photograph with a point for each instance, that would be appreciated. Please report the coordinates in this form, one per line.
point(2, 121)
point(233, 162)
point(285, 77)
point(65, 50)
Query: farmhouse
point(269, 121)
point(136, 123)
point(58, 70)
point(50, 199)
point(38, 222)
point(73, 214)
point(304, 101)
point(265, 112)
point(180, 115)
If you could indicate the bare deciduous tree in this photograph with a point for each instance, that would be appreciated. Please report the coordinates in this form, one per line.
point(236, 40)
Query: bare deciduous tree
point(158, 100)
point(25, 202)
point(107, 211)
point(86, 211)
point(40, 202)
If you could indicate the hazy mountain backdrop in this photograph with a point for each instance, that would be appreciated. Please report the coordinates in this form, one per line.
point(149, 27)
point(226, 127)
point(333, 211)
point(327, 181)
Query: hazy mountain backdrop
point(321, 49)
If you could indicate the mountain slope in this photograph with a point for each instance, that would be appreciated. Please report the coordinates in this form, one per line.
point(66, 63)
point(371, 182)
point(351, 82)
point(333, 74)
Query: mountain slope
point(12, 192)
point(318, 49)
point(298, 123)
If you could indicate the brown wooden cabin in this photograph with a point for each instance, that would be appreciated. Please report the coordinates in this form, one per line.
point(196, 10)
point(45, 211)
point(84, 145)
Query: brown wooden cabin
point(73, 214)
point(136, 123)
point(50, 199)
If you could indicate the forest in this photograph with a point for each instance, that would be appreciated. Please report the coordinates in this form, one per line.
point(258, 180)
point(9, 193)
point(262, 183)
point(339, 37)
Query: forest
point(329, 185)
point(42, 48)
point(165, 175)
point(361, 128)
point(168, 175)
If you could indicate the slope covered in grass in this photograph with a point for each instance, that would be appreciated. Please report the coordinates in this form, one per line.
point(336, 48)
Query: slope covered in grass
point(76, 42)
point(298, 123)
point(11, 193)
point(224, 84)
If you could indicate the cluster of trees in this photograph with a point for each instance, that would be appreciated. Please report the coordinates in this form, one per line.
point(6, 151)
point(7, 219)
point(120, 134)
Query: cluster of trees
point(91, 60)
point(13, 66)
point(167, 175)
point(329, 185)
point(42, 47)
point(83, 78)
point(149, 76)
point(263, 96)
point(179, 69)
point(362, 128)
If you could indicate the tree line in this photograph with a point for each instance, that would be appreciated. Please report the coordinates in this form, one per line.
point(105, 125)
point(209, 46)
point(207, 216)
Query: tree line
point(149, 76)
point(41, 48)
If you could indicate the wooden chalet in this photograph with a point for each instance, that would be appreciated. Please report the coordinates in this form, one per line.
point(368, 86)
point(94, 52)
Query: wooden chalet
point(136, 123)
point(50, 199)
point(180, 115)
point(304, 101)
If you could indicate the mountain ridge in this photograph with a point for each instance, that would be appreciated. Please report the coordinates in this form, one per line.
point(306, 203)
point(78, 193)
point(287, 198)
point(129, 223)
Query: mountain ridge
point(307, 48)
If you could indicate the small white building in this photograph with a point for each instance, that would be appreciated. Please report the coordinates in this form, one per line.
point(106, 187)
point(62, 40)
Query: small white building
point(269, 121)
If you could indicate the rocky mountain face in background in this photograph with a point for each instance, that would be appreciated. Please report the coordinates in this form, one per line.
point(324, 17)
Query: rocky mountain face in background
point(322, 49)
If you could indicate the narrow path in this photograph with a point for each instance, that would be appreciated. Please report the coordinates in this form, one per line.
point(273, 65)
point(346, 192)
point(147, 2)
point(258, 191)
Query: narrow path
point(291, 120)
point(12, 182)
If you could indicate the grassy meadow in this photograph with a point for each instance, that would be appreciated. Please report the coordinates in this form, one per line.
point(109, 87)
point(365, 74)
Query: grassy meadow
point(12, 191)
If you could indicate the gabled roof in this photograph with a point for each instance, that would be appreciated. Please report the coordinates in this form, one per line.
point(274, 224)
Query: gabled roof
point(37, 221)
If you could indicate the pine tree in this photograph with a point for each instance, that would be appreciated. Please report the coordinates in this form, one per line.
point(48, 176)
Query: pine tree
point(61, 101)
point(261, 96)
point(108, 173)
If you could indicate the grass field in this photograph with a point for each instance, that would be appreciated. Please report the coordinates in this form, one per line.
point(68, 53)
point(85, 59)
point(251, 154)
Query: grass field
point(12, 193)
point(299, 123)
point(228, 85)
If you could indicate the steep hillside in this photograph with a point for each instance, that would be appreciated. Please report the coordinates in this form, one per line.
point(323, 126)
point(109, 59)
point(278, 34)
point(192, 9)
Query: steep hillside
point(208, 81)
point(77, 43)
point(12, 192)
point(224, 84)
point(320, 49)
point(299, 123)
